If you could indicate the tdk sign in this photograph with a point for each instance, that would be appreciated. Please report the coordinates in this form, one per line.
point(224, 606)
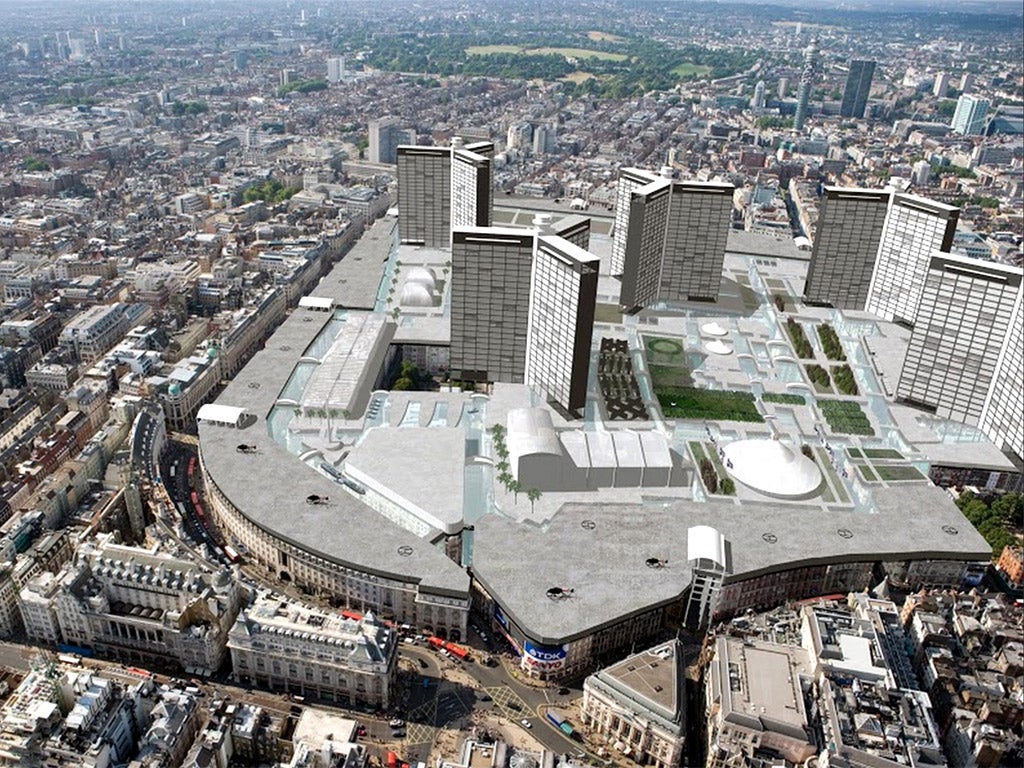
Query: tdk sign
point(545, 653)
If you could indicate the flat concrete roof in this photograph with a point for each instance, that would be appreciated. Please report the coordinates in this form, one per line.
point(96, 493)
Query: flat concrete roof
point(354, 281)
point(270, 486)
point(753, 244)
point(605, 563)
point(422, 466)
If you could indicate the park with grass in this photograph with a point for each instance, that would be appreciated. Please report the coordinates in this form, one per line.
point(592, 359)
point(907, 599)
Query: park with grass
point(711, 404)
point(569, 53)
point(667, 363)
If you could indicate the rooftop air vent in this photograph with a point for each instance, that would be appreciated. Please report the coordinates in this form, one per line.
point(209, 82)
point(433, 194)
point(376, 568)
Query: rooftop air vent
point(655, 562)
point(588, 525)
point(314, 498)
point(845, 533)
point(560, 593)
point(770, 538)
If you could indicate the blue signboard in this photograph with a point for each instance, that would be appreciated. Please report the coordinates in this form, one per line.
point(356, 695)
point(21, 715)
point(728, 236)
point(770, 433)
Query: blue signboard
point(545, 652)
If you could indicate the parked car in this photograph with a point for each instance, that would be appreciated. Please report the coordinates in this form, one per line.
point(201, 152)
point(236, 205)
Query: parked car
point(526, 723)
point(396, 723)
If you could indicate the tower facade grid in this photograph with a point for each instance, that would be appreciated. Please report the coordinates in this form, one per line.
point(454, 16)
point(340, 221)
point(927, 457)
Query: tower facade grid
point(695, 239)
point(425, 195)
point(961, 327)
point(491, 276)
point(630, 179)
point(1002, 418)
point(845, 248)
point(645, 243)
point(563, 298)
point(858, 88)
point(915, 228)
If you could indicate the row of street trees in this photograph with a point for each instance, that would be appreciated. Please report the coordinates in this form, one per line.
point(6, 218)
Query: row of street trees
point(505, 476)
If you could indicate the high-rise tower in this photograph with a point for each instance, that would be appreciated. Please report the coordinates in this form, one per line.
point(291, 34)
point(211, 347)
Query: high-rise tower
point(962, 326)
point(1002, 418)
point(425, 195)
point(629, 180)
point(675, 240)
point(915, 228)
point(807, 77)
point(846, 242)
point(858, 88)
point(757, 103)
point(969, 118)
point(384, 138)
point(522, 308)
point(440, 188)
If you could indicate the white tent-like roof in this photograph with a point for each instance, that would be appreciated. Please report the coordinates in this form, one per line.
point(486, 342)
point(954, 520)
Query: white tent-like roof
point(226, 415)
point(713, 328)
point(718, 347)
point(315, 302)
point(772, 468)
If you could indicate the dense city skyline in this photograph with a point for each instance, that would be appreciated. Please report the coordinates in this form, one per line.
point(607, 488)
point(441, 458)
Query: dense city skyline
point(602, 384)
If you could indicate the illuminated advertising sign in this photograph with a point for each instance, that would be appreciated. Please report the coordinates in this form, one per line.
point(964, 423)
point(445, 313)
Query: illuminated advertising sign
point(544, 655)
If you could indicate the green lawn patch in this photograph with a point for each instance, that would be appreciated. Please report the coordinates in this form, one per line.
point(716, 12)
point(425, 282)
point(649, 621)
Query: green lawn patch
point(697, 449)
point(867, 473)
point(779, 397)
point(895, 474)
point(881, 453)
point(486, 50)
point(576, 53)
point(665, 347)
point(846, 418)
point(693, 403)
point(607, 313)
point(854, 453)
point(687, 69)
point(833, 477)
point(670, 376)
point(573, 53)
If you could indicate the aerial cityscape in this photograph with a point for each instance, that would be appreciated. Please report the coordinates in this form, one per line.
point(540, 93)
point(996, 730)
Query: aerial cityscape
point(602, 384)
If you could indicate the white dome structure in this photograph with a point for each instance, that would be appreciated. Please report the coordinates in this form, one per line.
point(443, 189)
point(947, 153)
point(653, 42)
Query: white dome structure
point(416, 295)
point(772, 468)
point(718, 347)
point(423, 276)
point(713, 329)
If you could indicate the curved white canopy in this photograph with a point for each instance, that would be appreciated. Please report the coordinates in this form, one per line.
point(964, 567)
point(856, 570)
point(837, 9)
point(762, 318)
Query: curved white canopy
point(772, 468)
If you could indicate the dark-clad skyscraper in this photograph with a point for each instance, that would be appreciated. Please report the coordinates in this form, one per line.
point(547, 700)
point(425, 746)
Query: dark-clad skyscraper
point(858, 88)
point(695, 238)
point(849, 230)
point(675, 242)
point(443, 187)
point(522, 309)
point(425, 195)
